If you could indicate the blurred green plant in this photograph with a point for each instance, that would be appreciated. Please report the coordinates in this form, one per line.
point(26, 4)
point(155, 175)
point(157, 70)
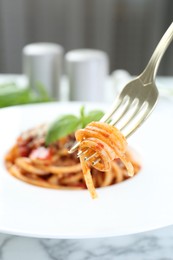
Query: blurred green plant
point(11, 94)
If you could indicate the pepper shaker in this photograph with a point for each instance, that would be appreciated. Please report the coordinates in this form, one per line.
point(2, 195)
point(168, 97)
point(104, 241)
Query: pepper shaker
point(42, 63)
point(87, 71)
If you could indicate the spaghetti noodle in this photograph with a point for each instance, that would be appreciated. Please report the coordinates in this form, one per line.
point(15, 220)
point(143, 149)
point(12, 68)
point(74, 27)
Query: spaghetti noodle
point(100, 144)
point(31, 161)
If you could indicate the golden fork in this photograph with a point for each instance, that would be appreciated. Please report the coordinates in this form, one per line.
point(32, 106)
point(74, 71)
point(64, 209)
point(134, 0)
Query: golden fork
point(138, 98)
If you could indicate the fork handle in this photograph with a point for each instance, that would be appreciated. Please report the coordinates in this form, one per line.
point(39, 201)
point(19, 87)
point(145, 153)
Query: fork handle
point(149, 73)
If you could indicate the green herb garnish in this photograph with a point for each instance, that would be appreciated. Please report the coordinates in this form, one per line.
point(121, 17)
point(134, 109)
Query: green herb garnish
point(68, 124)
point(11, 95)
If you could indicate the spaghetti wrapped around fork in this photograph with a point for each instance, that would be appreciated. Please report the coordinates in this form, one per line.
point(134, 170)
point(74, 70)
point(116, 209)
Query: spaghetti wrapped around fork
point(100, 144)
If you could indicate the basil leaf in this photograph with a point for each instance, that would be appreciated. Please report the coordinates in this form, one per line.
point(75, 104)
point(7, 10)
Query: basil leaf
point(69, 124)
point(94, 115)
point(62, 127)
point(82, 116)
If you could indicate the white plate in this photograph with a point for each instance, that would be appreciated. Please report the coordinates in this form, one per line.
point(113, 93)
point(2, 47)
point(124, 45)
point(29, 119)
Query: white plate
point(139, 204)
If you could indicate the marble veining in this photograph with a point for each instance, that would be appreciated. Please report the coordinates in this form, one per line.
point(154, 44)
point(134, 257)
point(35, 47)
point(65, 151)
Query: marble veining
point(153, 245)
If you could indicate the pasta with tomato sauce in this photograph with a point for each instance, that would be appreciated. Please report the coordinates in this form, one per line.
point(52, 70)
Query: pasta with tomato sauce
point(51, 166)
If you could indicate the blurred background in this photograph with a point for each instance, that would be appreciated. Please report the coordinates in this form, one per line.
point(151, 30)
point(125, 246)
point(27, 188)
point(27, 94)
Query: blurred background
point(127, 30)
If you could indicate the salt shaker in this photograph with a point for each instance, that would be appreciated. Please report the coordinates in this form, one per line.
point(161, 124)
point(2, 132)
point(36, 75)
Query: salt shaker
point(87, 71)
point(42, 63)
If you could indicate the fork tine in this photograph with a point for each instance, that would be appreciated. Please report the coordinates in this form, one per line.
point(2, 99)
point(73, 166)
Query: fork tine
point(125, 109)
point(138, 123)
point(133, 115)
point(82, 152)
point(95, 162)
point(74, 148)
point(118, 102)
point(90, 157)
point(79, 153)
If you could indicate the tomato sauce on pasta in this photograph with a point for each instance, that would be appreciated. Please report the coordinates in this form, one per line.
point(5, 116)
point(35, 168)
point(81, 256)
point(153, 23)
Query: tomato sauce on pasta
point(31, 161)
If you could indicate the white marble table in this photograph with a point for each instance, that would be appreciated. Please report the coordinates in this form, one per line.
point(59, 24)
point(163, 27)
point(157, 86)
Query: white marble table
point(152, 245)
